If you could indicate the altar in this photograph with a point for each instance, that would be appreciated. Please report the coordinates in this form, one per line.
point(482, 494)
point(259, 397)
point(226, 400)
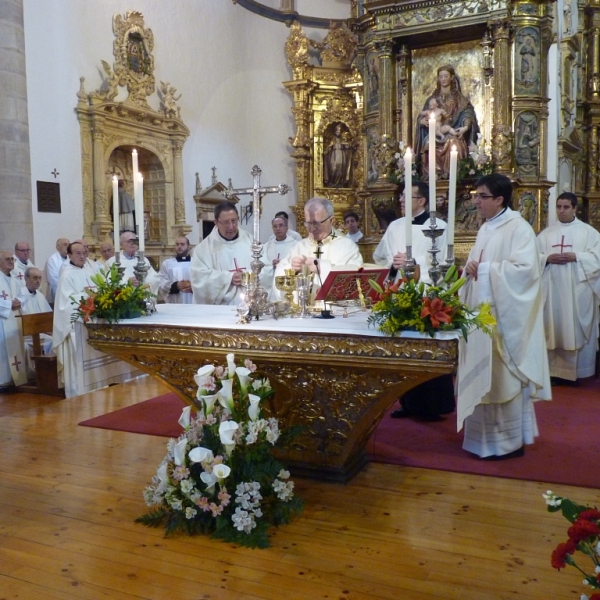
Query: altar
point(336, 378)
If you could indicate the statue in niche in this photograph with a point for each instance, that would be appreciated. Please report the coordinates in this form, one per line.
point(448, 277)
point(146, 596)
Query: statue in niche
point(337, 157)
point(527, 53)
point(459, 126)
point(528, 140)
point(567, 19)
point(372, 83)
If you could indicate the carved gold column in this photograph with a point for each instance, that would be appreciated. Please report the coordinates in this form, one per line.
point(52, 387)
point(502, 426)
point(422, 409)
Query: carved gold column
point(502, 139)
point(403, 94)
point(99, 212)
point(386, 87)
point(180, 227)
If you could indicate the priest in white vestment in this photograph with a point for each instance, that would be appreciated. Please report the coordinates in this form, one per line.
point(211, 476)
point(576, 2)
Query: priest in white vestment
point(72, 282)
point(34, 302)
point(278, 246)
point(107, 251)
point(391, 251)
point(325, 249)
point(290, 232)
point(12, 362)
point(22, 262)
point(503, 268)
point(220, 259)
point(570, 253)
point(175, 284)
point(53, 267)
point(128, 259)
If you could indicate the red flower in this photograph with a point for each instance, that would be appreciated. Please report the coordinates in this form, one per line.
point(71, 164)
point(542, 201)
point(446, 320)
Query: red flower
point(87, 308)
point(592, 514)
point(437, 311)
point(559, 556)
point(582, 529)
point(595, 596)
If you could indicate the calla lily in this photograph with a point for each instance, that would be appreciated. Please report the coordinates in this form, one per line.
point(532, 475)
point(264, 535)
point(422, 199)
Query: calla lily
point(226, 394)
point(179, 452)
point(209, 402)
point(226, 431)
point(203, 372)
point(244, 377)
point(209, 479)
point(254, 406)
point(200, 454)
point(162, 473)
point(221, 471)
point(184, 419)
point(231, 365)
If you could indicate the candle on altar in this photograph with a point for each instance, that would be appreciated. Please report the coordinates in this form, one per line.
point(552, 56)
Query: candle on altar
point(432, 174)
point(408, 196)
point(115, 186)
point(452, 194)
point(138, 197)
point(134, 157)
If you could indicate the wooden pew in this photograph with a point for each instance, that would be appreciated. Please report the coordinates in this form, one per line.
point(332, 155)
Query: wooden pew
point(46, 373)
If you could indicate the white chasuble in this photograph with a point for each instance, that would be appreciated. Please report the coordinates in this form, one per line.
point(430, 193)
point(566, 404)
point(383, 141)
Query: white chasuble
point(335, 252)
point(509, 278)
point(571, 298)
point(394, 241)
point(129, 263)
point(34, 303)
point(18, 274)
point(52, 272)
point(12, 363)
point(172, 271)
point(214, 262)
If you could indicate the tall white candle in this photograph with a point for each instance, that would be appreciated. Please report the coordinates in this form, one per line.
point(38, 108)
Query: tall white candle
point(134, 158)
point(115, 185)
point(432, 173)
point(452, 194)
point(408, 196)
point(138, 197)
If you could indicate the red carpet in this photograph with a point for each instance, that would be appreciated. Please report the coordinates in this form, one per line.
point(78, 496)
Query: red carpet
point(567, 451)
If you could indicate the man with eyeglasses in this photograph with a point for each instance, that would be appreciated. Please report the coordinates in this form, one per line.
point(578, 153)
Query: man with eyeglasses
point(22, 261)
point(12, 363)
point(330, 248)
point(391, 251)
point(570, 251)
point(129, 259)
point(220, 259)
point(503, 268)
point(74, 278)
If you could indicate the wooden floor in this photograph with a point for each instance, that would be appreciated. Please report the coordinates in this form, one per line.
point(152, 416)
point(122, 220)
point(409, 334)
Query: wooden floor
point(69, 496)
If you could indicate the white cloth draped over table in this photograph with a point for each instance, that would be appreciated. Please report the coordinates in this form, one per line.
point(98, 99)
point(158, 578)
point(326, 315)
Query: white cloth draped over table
point(34, 304)
point(172, 271)
point(509, 277)
point(336, 251)
point(128, 264)
point(571, 298)
point(214, 262)
point(12, 363)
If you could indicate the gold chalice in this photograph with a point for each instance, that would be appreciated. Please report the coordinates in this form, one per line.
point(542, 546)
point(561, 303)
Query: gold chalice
point(287, 284)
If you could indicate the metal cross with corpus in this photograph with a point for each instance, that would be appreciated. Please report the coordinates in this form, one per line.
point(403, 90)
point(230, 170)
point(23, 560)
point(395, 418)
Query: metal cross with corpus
point(562, 245)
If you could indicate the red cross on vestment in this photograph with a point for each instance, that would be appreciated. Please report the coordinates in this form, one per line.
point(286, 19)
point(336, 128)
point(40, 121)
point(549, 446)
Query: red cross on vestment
point(20, 275)
point(16, 363)
point(237, 269)
point(3, 295)
point(562, 245)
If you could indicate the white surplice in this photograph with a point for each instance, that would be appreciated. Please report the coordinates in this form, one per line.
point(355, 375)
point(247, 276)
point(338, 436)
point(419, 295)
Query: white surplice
point(336, 251)
point(72, 282)
point(571, 298)
point(128, 263)
point(34, 303)
point(509, 277)
point(172, 271)
point(52, 272)
point(12, 363)
point(394, 241)
point(18, 274)
point(214, 262)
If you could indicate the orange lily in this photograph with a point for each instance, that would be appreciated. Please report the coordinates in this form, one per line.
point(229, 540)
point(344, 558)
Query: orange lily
point(437, 311)
point(87, 308)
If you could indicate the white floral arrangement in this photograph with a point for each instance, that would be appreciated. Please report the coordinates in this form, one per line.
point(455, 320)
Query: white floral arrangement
point(219, 477)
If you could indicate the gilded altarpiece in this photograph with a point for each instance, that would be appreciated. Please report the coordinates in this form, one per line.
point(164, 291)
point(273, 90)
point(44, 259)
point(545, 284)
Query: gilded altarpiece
point(111, 129)
point(494, 105)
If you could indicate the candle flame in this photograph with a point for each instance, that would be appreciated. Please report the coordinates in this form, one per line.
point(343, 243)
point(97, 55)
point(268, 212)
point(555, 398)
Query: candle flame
point(432, 116)
point(453, 148)
point(115, 178)
point(408, 152)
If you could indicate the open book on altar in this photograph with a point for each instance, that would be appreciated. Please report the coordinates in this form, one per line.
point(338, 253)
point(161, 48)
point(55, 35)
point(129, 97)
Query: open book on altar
point(351, 284)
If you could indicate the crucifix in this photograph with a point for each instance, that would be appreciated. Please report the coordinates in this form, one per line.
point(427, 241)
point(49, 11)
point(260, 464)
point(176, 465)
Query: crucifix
point(213, 179)
point(562, 245)
point(16, 363)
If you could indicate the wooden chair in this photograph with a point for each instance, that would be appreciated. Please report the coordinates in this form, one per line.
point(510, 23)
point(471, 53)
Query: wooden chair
point(46, 373)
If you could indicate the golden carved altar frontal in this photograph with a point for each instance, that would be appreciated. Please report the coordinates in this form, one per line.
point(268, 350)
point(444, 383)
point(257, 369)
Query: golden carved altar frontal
point(335, 380)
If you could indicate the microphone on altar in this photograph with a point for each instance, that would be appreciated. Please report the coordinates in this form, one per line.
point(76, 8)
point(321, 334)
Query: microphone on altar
point(325, 314)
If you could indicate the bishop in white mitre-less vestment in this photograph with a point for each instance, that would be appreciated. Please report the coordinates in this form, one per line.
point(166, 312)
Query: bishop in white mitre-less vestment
point(509, 278)
point(73, 280)
point(571, 298)
point(12, 363)
point(333, 252)
point(214, 262)
point(34, 303)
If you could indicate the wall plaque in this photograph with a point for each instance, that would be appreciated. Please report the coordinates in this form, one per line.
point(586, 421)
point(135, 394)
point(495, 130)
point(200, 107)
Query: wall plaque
point(48, 197)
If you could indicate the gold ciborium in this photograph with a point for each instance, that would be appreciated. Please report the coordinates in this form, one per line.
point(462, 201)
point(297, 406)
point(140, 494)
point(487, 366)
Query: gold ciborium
point(287, 284)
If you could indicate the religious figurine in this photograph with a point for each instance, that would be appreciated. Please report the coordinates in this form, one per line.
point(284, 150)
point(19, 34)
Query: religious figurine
point(528, 68)
point(460, 123)
point(567, 19)
point(526, 152)
point(372, 83)
point(337, 158)
point(168, 102)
